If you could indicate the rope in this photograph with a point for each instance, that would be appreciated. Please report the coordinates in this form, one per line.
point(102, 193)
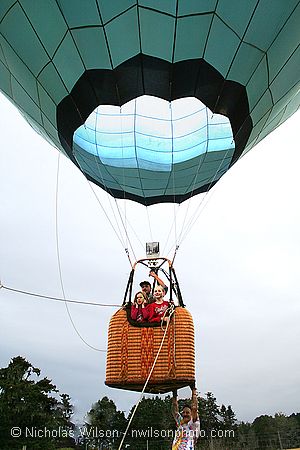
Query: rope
point(173, 167)
point(57, 299)
point(148, 378)
point(133, 230)
point(207, 196)
point(107, 190)
point(185, 228)
point(198, 211)
point(175, 213)
point(200, 164)
point(174, 339)
point(175, 253)
point(59, 263)
point(119, 236)
point(169, 310)
point(125, 230)
point(149, 223)
point(124, 184)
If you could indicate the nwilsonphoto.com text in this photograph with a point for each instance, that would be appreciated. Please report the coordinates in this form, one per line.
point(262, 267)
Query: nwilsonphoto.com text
point(98, 433)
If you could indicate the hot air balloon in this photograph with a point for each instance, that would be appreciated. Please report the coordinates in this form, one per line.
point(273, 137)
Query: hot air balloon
point(152, 100)
point(237, 61)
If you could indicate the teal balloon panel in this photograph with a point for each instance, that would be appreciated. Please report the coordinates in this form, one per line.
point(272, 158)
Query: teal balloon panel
point(153, 100)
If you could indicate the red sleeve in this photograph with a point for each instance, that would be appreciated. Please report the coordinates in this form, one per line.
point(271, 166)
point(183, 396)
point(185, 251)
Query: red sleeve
point(149, 312)
point(145, 312)
point(134, 312)
point(155, 319)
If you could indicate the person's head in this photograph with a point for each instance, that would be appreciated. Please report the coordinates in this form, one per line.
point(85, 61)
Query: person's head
point(159, 293)
point(140, 298)
point(146, 287)
point(186, 413)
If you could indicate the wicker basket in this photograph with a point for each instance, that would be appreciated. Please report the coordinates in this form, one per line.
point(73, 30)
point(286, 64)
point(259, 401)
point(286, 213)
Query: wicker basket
point(132, 350)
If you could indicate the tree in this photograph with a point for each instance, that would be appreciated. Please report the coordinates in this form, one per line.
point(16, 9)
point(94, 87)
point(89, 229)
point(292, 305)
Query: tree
point(228, 419)
point(153, 422)
point(106, 423)
point(209, 413)
point(33, 407)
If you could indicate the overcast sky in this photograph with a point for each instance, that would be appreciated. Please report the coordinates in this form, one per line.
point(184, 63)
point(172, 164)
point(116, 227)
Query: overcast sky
point(238, 268)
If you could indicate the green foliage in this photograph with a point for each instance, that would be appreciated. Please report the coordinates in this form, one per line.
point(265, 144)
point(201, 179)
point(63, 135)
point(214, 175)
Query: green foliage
point(278, 431)
point(152, 422)
point(153, 425)
point(30, 405)
point(210, 412)
point(106, 423)
point(228, 419)
point(219, 427)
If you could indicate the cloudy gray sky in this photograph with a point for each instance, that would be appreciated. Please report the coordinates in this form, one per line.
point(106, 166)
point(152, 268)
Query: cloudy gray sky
point(238, 267)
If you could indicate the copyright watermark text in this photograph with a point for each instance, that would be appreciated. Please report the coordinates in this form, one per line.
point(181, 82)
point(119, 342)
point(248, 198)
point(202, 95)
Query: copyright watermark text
point(33, 432)
point(98, 433)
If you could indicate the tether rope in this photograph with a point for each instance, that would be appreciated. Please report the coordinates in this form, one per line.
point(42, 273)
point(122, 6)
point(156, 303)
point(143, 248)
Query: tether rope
point(58, 299)
point(59, 263)
point(148, 378)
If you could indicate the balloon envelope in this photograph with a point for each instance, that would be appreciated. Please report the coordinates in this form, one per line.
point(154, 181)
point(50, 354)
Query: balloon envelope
point(87, 75)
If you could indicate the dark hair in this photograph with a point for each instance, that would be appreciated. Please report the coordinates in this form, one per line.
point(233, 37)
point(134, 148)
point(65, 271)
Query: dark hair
point(135, 297)
point(145, 283)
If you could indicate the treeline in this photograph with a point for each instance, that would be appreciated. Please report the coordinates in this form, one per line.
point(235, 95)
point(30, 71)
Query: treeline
point(29, 402)
point(153, 426)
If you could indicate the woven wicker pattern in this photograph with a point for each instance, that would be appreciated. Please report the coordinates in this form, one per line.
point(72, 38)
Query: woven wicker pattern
point(132, 350)
point(147, 351)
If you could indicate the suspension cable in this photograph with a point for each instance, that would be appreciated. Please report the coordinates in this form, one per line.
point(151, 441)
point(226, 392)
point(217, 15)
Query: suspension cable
point(199, 211)
point(119, 236)
point(192, 185)
point(173, 169)
point(149, 223)
point(125, 229)
point(124, 183)
point(174, 223)
point(200, 164)
point(109, 194)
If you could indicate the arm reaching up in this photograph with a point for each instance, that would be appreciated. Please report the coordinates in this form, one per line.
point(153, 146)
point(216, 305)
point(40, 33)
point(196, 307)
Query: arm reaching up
point(194, 407)
point(175, 410)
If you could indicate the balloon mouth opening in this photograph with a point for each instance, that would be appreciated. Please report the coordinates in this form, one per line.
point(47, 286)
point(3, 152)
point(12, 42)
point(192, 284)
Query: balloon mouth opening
point(153, 134)
point(120, 149)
